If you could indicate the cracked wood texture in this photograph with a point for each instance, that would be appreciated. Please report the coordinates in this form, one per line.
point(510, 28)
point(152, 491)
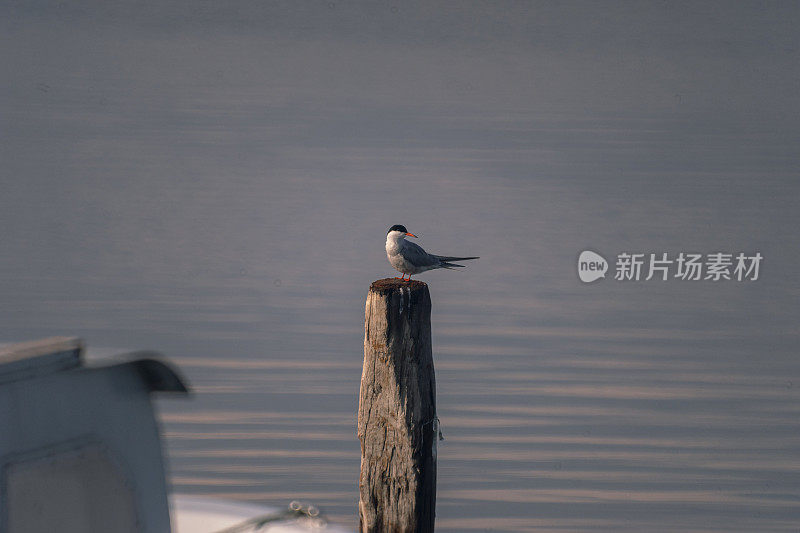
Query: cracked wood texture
point(396, 411)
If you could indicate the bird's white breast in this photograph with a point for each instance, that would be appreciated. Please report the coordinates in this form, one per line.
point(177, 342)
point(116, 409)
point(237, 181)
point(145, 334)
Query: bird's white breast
point(394, 247)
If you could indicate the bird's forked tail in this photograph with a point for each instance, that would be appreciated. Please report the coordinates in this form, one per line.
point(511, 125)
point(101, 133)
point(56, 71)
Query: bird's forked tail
point(445, 261)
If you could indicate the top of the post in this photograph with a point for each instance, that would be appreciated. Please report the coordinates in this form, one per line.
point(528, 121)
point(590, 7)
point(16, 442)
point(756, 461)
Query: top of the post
point(387, 285)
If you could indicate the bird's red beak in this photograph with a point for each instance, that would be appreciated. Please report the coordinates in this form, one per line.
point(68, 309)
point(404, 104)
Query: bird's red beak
point(412, 235)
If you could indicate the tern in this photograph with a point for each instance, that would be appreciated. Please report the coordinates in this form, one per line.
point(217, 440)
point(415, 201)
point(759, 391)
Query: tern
point(409, 258)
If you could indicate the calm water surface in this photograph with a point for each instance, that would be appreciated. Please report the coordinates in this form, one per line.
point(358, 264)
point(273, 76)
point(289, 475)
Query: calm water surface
point(223, 198)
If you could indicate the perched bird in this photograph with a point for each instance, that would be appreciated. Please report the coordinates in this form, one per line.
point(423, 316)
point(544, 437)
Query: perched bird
point(408, 258)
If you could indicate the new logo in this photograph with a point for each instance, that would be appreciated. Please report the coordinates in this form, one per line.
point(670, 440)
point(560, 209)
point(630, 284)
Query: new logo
point(591, 266)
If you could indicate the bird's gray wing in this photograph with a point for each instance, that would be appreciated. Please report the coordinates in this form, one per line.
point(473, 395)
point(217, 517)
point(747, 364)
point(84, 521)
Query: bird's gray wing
point(444, 261)
point(453, 258)
point(415, 255)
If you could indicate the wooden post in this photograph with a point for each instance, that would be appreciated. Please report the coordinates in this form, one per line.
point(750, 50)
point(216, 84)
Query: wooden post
point(397, 423)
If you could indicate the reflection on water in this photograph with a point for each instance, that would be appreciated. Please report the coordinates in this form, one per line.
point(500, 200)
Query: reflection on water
point(223, 198)
point(613, 440)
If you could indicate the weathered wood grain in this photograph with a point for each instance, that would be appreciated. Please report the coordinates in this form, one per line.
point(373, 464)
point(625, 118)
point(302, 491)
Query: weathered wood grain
point(397, 421)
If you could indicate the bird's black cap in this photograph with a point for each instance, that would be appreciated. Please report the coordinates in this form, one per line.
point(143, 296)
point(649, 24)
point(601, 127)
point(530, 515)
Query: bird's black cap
point(397, 227)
